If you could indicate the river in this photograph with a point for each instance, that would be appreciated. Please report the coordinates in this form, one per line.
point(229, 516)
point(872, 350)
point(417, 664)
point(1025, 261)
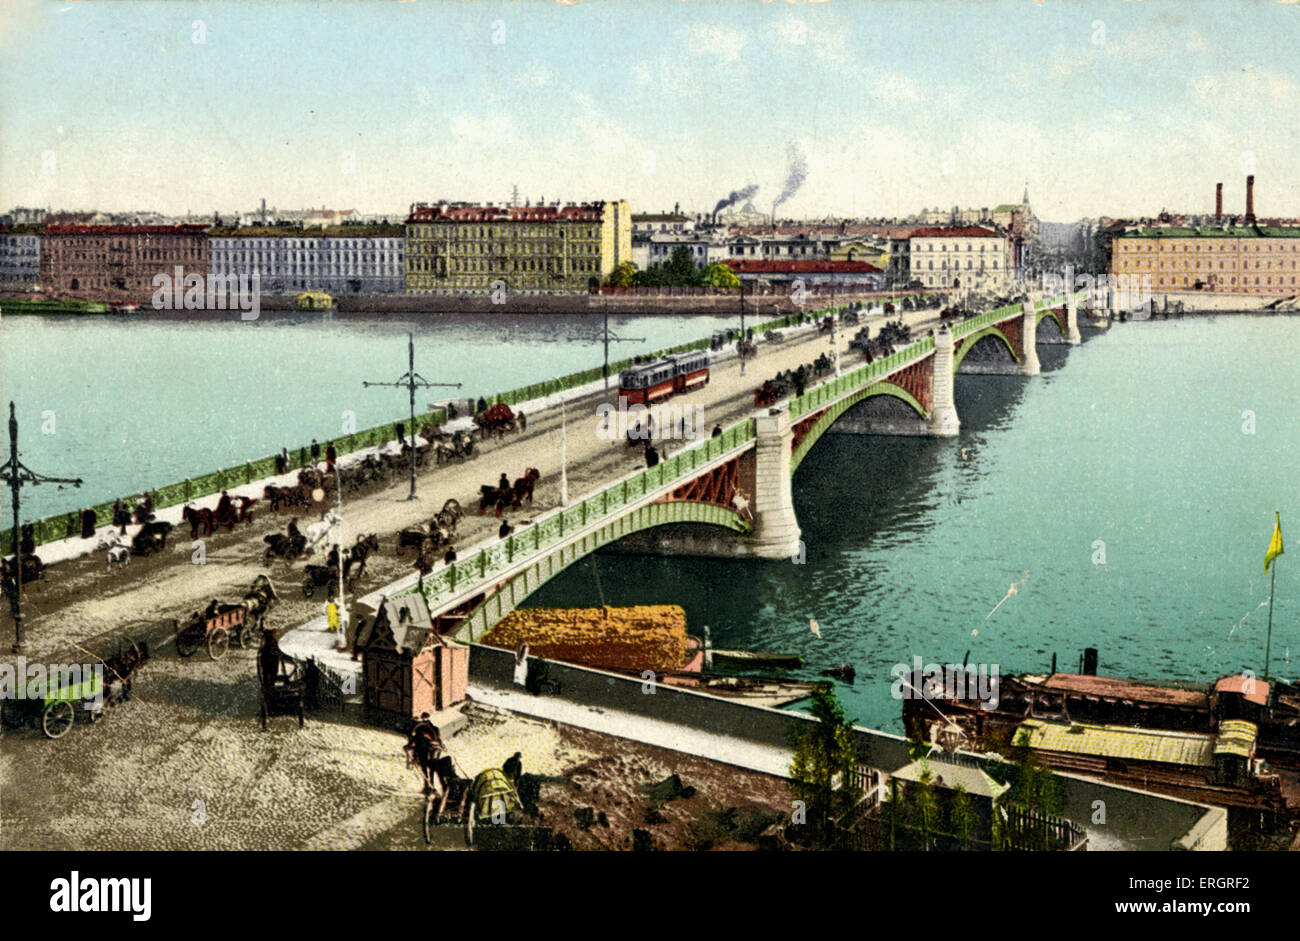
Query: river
point(1125, 492)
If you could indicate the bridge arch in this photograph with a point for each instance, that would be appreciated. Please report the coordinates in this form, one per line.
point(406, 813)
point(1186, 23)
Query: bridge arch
point(508, 595)
point(969, 344)
point(837, 410)
point(1056, 318)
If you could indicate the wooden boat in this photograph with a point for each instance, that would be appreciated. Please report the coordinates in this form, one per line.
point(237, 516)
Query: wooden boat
point(754, 659)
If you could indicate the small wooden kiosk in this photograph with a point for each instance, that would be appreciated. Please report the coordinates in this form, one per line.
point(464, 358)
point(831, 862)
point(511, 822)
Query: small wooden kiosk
point(407, 668)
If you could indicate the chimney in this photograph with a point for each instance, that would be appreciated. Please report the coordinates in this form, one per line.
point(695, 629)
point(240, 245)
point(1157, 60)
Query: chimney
point(1218, 202)
point(1250, 199)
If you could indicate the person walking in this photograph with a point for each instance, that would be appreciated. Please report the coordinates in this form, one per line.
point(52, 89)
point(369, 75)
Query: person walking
point(523, 422)
point(331, 456)
point(315, 452)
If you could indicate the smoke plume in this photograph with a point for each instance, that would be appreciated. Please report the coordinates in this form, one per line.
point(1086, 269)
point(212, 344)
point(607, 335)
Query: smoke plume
point(794, 176)
point(735, 197)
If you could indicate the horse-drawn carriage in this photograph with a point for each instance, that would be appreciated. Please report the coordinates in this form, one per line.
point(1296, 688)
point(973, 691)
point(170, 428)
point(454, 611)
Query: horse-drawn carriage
point(78, 687)
point(214, 630)
point(151, 538)
point(495, 421)
point(280, 681)
point(510, 495)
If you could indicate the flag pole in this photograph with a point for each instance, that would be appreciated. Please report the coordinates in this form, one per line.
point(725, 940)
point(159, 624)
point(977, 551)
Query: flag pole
point(1268, 644)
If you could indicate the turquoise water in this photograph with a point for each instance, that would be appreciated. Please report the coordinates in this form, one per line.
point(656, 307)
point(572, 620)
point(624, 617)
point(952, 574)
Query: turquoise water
point(139, 402)
point(1134, 439)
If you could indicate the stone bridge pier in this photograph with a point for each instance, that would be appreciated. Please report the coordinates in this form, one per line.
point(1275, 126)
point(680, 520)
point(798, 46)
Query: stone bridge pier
point(943, 421)
point(1029, 365)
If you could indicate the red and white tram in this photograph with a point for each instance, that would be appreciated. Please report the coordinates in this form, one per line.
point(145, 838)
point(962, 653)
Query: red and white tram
point(648, 383)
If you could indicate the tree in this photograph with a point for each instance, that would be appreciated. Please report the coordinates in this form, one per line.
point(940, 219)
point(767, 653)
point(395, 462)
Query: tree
point(623, 275)
point(680, 268)
point(821, 773)
point(718, 275)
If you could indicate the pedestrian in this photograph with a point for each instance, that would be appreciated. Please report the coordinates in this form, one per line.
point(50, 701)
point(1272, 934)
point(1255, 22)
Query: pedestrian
point(523, 422)
point(401, 433)
point(717, 431)
point(514, 768)
point(651, 456)
point(120, 515)
point(504, 482)
point(450, 555)
point(482, 406)
point(315, 451)
point(521, 665)
point(331, 456)
point(505, 530)
point(281, 462)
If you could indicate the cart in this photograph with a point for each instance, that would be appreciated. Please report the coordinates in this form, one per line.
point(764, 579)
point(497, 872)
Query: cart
point(318, 576)
point(75, 691)
point(215, 632)
point(282, 694)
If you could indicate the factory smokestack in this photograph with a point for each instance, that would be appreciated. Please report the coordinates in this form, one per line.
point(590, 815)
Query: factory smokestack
point(1218, 202)
point(1250, 199)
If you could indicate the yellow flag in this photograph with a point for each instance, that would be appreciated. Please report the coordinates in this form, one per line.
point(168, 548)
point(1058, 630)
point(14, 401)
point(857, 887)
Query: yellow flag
point(1274, 544)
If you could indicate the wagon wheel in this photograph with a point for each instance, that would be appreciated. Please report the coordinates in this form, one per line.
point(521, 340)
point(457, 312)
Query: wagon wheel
point(186, 643)
point(57, 719)
point(246, 635)
point(218, 643)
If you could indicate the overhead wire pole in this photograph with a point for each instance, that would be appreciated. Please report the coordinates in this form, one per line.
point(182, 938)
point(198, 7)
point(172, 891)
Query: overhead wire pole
point(412, 380)
point(608, 338)
point(15, 474)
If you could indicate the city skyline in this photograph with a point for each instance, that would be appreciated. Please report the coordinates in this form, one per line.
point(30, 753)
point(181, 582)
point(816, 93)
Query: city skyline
point(217, 106)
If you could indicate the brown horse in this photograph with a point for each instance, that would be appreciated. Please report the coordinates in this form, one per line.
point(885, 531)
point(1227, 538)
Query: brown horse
point(523, 487)
point(198, 518)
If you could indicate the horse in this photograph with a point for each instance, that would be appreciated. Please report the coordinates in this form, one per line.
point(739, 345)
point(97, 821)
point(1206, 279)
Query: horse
point(316, 532)
point(258, 599)
point(112, 540)
point(361, 550)
point(33, 568)
point(245, 514)
point(196, 518)
point(523, 487)
point(151, 538)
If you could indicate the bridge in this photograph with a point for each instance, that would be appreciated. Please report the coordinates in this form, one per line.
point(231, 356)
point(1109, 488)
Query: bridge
point(737, 485)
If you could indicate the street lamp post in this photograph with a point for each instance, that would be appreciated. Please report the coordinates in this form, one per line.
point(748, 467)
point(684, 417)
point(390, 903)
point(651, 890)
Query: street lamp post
point(15, 474)
point(341, 642)
point(412, 380)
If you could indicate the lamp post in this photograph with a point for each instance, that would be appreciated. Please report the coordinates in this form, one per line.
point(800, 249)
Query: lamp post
point(412, 380)
point(15, 474)
point(341, 642)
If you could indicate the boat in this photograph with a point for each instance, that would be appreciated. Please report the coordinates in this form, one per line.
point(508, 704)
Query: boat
point(754, 659)
point(313, 300)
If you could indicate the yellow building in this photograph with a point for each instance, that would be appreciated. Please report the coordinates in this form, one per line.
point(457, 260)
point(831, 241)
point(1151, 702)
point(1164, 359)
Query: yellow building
point(473, 249)
point(1224, 259)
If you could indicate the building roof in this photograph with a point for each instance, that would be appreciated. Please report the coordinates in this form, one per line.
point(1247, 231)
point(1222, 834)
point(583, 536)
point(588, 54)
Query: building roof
point(953, 231)
point(378, 230)
point(1213, 231)
point(1113, 688)
point(799, 266)
point(1251, 689)
point(572, 212)
point(659, 217)
point(1116, 741)
point(183, 229)
point(401, 623)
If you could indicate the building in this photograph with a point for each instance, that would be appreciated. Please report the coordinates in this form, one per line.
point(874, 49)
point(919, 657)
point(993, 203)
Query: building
point(658, 223)
point(784, 273)
point(20, 256)
point(338, 260)
point(118, 262)
point(657, 249)
point(1232, 256)
point(951, 257)
point(545, 248)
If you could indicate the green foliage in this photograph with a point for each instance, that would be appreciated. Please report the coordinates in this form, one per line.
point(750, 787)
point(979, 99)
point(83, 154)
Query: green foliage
point(623, 275)
point(963, 815)
point(821, 773)
point(718, 275)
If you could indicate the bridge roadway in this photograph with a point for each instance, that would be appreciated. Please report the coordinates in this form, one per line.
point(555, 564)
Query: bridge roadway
point(502, 573)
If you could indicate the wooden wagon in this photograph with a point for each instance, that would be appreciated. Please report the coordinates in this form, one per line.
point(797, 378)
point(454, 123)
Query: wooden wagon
point(215, 632)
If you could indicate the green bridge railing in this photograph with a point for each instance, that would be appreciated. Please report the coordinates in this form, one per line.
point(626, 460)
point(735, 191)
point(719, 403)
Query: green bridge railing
point(487, 565)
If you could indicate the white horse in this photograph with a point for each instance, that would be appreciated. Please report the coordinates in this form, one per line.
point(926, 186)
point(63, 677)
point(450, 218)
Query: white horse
point(316, 532)
point(111, 539)
point(118, 555)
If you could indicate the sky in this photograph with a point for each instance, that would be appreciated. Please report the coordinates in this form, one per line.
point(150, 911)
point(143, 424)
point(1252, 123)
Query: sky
point(1101, 108)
